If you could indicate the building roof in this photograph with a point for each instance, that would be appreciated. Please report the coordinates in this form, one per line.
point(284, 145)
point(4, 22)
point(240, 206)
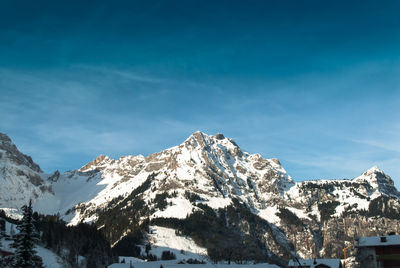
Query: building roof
point(175, 264)
point(6, 253)
point(374, 241)
point(334, 263)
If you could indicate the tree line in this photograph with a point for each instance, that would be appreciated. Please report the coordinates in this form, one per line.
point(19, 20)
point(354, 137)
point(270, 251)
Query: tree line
point(49, 231)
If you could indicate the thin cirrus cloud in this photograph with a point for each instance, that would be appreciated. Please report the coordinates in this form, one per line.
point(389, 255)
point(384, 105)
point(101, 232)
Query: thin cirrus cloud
point(318, 89)
point(87, 114)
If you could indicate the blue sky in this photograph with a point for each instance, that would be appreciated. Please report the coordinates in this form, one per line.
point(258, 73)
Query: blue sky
point(313, 83)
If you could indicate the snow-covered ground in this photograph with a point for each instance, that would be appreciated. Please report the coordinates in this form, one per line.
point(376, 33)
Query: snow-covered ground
point(184, 248)
point(269, 214)
point(180, 208)
point(127, 259)
point(50, 259)
point(162, 239)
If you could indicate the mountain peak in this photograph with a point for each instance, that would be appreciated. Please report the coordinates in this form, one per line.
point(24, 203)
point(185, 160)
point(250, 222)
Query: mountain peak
point(5, 138)
point(14, 155)
point(198, 134)
point(379, 180)
point(205, 141)
point(373, 169)
point(220, 136)
point(374, 174)
point(99, 161)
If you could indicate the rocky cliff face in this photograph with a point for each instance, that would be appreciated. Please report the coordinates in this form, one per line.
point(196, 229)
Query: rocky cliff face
point(332, 214)
point(20, 177)
point(256, 195)
point(11, 152)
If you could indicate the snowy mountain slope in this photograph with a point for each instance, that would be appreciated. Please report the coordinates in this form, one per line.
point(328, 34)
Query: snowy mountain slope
point(333, 212)
point(351, 195)
point(207, 171)
point(213, 167)
point(380, 182)
point(213, 170)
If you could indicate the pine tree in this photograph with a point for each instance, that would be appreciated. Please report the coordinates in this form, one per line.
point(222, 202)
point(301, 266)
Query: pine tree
point(1, 237)
point(2, 233)
point(12, 231)
point(24, 241)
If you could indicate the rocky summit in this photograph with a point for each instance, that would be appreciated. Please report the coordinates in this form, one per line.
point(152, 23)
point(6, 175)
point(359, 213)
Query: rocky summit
point(242, 200)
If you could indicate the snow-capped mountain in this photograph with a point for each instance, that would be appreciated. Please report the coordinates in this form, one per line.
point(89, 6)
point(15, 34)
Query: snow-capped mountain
point(213, 167)
point(207, 172)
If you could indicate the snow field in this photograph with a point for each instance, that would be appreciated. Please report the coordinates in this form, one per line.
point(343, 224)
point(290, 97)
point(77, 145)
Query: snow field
point(184, 248)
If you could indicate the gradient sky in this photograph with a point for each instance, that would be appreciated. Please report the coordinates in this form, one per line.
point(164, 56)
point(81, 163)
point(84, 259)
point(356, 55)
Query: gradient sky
point(315, 84)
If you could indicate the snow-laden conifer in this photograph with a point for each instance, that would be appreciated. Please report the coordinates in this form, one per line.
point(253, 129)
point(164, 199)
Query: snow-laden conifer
point(24, 241)
point(1, 237)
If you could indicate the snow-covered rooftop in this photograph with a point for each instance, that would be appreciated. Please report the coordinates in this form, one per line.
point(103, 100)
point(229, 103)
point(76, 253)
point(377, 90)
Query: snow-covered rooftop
point(174, 264)
point(379, 241)
point(333, 263)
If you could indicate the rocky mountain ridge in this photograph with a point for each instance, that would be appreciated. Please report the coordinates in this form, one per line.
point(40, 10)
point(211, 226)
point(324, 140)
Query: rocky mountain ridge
point(209, 172)
point(20, 177)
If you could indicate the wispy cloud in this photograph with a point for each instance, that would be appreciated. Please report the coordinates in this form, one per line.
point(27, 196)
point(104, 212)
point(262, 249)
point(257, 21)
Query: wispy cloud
point(65, 118)
point(384, 144)
point(120, 73)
